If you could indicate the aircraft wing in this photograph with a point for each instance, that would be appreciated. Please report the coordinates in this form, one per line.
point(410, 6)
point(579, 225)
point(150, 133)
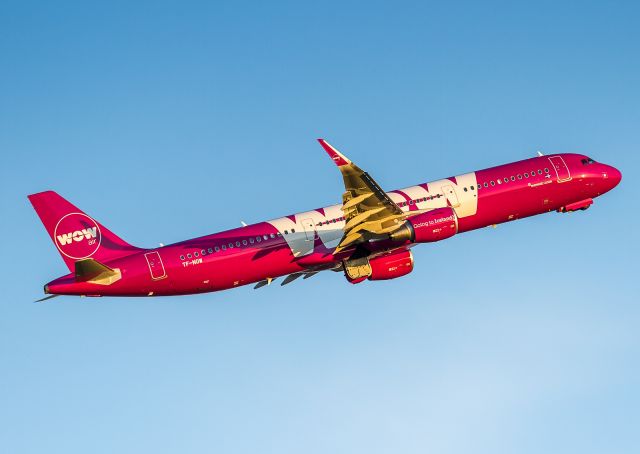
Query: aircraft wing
point(369, 212)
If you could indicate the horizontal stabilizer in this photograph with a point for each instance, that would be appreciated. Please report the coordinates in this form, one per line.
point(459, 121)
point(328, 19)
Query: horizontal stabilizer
point(90, 270)
point(45, 298)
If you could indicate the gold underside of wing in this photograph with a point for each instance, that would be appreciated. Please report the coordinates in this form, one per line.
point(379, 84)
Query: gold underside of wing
point(369, 212)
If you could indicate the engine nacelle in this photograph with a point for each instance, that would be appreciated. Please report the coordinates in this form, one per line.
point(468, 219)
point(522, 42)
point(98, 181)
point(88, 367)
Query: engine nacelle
point(388, 266)
point(391, 266)
point(434, 225)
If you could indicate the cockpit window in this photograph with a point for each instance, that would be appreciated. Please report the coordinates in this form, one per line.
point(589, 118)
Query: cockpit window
point(587, 161)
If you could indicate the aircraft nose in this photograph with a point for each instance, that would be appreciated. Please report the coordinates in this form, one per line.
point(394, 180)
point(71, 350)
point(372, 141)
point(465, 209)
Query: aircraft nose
point(613, 175)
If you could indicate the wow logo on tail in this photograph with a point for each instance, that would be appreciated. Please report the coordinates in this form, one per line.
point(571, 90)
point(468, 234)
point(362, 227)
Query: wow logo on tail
point(77, 236)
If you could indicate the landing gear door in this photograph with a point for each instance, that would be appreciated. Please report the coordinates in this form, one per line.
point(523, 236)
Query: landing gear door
point(451, 195)
point(156, 267)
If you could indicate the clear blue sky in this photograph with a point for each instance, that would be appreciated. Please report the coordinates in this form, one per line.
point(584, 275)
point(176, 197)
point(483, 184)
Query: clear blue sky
point(168, 120)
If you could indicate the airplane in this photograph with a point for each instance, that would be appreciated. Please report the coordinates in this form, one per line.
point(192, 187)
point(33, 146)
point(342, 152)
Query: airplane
point(367, 237)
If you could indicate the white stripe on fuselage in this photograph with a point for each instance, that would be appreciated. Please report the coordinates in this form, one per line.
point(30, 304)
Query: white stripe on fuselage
point(306, 226)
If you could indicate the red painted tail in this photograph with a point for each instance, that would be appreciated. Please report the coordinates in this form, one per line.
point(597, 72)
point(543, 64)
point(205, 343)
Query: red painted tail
point(76, 235)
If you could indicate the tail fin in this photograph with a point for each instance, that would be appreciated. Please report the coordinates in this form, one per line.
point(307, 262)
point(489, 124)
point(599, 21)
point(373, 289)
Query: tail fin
point(76, 235)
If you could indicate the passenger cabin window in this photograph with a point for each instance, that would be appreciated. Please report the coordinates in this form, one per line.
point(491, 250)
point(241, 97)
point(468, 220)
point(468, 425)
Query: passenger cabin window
point(182, 257)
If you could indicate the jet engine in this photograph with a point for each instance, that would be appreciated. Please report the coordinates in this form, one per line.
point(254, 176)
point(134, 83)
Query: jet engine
point(434, 225)
point(388, 266)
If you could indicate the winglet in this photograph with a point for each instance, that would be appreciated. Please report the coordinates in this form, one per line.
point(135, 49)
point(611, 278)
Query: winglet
point(338, 158)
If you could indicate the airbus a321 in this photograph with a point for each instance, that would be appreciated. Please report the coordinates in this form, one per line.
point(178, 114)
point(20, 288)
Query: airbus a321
point(367, 237)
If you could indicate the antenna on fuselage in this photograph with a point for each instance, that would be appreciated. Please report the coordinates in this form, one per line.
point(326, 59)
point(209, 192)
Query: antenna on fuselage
point(540, 153)
point(244, 224)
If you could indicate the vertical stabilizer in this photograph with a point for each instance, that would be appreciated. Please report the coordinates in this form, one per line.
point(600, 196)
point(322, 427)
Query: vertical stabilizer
point(77, 236)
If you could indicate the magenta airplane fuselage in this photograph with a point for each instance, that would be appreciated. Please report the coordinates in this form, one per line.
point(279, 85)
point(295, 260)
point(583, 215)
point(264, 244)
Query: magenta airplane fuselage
point(369, 236)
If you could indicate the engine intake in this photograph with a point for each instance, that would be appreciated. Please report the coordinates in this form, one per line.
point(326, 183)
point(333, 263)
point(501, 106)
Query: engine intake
point(434, 225)
point(383, 267)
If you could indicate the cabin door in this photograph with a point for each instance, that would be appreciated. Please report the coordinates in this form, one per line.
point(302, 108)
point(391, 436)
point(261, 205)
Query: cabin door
point(451, 195)
point(156, 267)
point(309, 229)
point(562, 171)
